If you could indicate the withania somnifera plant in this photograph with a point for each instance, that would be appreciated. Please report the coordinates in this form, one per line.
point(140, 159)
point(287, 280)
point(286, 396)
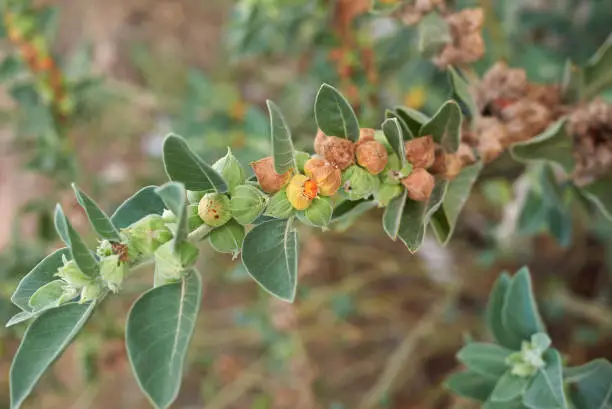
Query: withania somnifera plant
point(419, 169)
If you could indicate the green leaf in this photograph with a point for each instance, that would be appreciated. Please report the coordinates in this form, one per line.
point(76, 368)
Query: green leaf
point(158, 331)
point(175, 198)
point(546, 389)
point(434, 33)
point(47, 296)
point(141, 204)
point(413, 119)
point(509, 387)
point(486, 359)
point(416, 216)
point(572, 83)
point(334, 114)
point(461, 90)
point(384, 7)
point(350, 209)
point(598, 71)
point(494, 312)
point(445, 126)
point(520, 316)
point(78, 249)
point(514, 404)
point(44, 340)
point(9, 68)
point(282, 145)
point(393, 132)
point(406, 132)
point(459, 189)
point(39, 276)
point(470, 384)
point(19, 318)
point(185, 166)
point(392, 216)
point(98, 219)
point(593, 384)
point(552, 145)
point(270, 255)
point(600, 194)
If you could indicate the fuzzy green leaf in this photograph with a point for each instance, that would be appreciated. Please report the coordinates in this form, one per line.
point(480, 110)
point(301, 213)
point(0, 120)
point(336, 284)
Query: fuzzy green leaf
point(184, 165)
point(552, 145)
point(406, 132)
point(350, 209)
point(39, 276)
point(598, 71)
point(434, 33)
point(413, 119)
point(485, 359)
point(546, 389)
point(509, 387)
point(494, 312)
point(417, 215)
point(98, 219)
point(141, 204)
point(445, 126)
point(19, 318)
point(392, 216)
point(593, 384)
point(334, 114)
point(520, 316)
point(470, 384)
point(393, 132)
point(158, 331)
point(10, 68)
point(461, 90)
point(600, 194)
point(44, 340)
point(384, 7)
point(47, 296)
point(459, 189)
point(270, 255)
point(78, 249)
point(175, 198)
point(282, 145)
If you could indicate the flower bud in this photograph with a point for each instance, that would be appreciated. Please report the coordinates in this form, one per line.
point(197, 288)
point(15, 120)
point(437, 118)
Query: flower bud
point(269, 180)
point(247, 203)
point(420, 152)
point(72, 274)
point(195, 196)
point(320, 212)
point(105, 248)
point(301, 158)
point(371, 155)
point(358, 183)
point(146, 235)
point(279, 206)
point(452, 165)
point(90, 292)
point(112, 271)
point(339, 152)
point(301, 191)
point(214, 209)
point(439, 165)
point(386, 193)
point(230, 168)
point(193, 218)
point(327, 177)
point(228, 238)
point(419, 184)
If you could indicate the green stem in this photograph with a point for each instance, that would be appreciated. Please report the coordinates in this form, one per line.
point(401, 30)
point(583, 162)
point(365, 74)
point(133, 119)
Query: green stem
point(200, 233)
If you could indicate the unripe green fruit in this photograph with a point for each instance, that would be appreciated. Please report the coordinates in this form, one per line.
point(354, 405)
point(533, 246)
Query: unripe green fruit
point(90, 292)
point(112, 271)
point(301, 158)
point(279, 206)
point(230, 168)
point(247, 203)
point(194, 197)
point(146, 235)
point(358, 183)
point(320, 212)
point(214, 209)
point(228, 238)
point(387, 192)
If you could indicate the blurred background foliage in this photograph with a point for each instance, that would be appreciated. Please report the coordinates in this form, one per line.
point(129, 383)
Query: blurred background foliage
point(366, 331)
